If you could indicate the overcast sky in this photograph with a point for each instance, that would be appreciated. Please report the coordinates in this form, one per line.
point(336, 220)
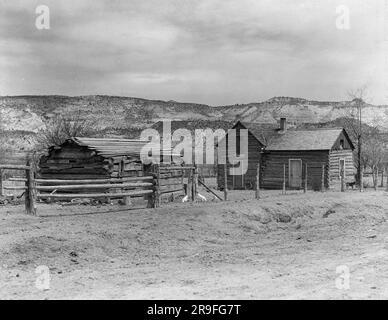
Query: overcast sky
point(206, 51)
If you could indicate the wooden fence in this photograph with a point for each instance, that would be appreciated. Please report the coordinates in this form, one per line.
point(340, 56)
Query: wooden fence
point(161, 181)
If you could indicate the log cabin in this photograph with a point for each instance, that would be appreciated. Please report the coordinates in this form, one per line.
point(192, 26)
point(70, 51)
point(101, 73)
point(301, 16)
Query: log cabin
point(291, 155)
point(321, 155)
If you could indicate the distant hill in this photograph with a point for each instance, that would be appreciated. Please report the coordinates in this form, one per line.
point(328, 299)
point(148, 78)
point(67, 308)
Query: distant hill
point(126, 116)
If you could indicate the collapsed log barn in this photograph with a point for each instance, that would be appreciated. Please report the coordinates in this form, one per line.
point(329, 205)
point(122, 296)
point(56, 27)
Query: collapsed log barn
point(103, 159)
point(285, 154)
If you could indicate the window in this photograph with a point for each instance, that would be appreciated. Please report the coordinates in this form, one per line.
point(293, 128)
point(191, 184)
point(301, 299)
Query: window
point(342, 144)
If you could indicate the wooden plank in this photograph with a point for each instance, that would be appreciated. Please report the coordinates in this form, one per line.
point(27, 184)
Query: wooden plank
point(305, 179)
point(257, 193)
point(1, 182)
point(87, 181)
point(157, 194)
point(14, 167)
point(171, 190)
point(94, 195)
point(94, 186)
point(18, 179)
point(208, 189)
point(225, 182)
point(29, 197)
point(170, 181)
point(15, 188)
point(176, 168)
point(189, 184)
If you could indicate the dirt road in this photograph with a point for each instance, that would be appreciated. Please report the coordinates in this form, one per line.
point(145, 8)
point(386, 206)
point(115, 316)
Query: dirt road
point(281, 247)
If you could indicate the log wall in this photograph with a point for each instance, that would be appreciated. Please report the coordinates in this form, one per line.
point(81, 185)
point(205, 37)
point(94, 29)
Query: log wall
point(272, 168)
point(334, 159)
point(171, 181)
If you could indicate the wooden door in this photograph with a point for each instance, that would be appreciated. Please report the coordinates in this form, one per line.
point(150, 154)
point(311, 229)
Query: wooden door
point(238, 181)
point(295, 173)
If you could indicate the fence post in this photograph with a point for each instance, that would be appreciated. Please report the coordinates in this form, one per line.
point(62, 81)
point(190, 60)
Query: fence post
point(386, 188)
point(225, 182)
point(257, 195)
point(1, 182)
point(195, 183)
point(323, 179)
point(343, 181)
point(157, 186)
point(305, 179)
point(29, 194)
point(284, 179)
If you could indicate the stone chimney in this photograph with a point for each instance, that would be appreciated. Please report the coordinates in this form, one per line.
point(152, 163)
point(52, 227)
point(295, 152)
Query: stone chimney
point(283, 124)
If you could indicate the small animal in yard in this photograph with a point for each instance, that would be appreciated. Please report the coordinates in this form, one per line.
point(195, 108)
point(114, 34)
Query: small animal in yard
point(185, 198)
point(350, 184)
point(201, 197)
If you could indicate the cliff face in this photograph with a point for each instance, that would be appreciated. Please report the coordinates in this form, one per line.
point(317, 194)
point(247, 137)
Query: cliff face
point(124, 116)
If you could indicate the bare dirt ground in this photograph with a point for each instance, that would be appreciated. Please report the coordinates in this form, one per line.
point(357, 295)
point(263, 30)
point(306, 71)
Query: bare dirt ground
point(280, 247)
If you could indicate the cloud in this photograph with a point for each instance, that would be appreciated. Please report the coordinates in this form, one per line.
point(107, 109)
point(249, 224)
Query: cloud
point(207, 51)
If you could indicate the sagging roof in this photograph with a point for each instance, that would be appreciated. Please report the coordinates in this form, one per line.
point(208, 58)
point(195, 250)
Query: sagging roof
point(304, 140)
point(112, 147)
point(108, 147)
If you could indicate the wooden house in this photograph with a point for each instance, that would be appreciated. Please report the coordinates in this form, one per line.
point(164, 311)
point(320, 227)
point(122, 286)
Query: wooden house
point(320, 154)
point(284, 153)
point(256, 138)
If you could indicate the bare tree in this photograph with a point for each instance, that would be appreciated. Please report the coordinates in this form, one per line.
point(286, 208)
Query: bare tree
point(353, 122)
point(61, 128)
point(374, 155)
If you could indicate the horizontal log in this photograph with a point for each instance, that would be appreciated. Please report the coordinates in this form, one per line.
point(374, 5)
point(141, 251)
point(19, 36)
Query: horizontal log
point(18, 179)
point(169, 181)
point(95, 195)
point(95, 186)
point(171, 190)
point(14, 167)
point(70, 176)
point(175, 168)
point(14, 187)
point(86, 181)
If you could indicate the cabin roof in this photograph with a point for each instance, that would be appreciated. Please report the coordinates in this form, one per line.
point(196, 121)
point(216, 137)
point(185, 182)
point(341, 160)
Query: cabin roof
point(304, 140)
point(294, 139)
point(263, 132)
point(113, 147)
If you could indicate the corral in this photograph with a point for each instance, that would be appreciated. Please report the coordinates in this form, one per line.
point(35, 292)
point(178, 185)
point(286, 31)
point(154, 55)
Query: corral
point(104, 170)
